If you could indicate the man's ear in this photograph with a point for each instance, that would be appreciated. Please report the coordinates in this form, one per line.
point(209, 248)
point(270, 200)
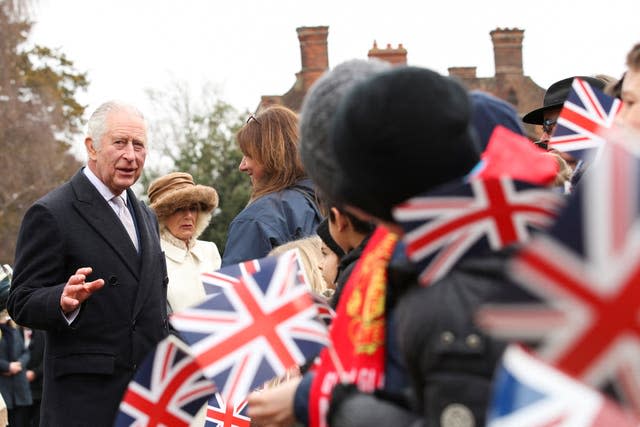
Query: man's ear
point(340, 220)
point(91, 151)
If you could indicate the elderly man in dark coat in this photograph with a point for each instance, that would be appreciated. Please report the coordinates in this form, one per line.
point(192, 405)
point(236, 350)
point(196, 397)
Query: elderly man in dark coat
point(90, 272)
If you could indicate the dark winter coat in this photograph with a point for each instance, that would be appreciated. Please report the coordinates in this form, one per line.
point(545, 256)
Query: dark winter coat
point(89, 363)
point(449, 361)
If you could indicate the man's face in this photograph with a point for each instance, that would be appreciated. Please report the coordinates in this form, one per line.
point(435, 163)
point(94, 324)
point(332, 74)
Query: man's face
point(549, 123)
point(630, 113)
point(119, 159)
point(548, 126)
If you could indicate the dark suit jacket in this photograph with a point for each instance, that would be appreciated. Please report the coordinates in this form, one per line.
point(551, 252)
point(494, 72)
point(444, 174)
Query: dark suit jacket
point(89, 363)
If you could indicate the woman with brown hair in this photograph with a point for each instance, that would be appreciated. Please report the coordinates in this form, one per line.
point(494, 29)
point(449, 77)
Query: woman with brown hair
point(282, 205)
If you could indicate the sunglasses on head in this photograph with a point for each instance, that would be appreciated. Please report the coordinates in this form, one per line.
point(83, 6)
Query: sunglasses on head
point(252, 117)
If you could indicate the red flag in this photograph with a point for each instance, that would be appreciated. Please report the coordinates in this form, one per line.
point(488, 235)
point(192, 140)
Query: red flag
point(513, 155)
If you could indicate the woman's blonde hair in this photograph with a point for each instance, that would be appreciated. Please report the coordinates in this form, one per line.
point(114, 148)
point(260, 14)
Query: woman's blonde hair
point(271, 139)
point(310, 255)
point(310, 252)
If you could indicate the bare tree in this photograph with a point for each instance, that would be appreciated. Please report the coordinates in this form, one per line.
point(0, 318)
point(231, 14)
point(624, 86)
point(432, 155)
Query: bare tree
point(38, 112)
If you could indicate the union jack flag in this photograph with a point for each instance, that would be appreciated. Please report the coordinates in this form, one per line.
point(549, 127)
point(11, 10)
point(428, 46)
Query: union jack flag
point(231, 275)
point(529, 393)
point(255, 328)
point(221, 414)
point(444, 225)
point(585, 114)
point(168, 389)
point(587, 273)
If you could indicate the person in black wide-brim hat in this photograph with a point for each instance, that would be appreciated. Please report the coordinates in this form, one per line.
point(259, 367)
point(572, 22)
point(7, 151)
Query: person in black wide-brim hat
point(547, 115)
point(554, 98)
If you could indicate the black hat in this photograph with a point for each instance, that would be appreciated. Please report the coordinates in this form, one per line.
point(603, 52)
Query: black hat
point(323, 231)
point(555, 96)
point(399, 134)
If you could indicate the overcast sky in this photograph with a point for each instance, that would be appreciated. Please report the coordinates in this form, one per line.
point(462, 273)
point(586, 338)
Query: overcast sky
point(249, 48)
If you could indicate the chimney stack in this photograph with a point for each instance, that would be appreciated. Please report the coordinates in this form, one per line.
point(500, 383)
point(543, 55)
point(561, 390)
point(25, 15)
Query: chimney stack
point(507, 50)
point(464, 73)
point(314, 54)
point(389, 54)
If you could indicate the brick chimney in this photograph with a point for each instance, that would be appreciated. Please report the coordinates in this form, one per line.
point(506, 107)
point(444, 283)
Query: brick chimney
point(507, 50)
point(463, 72)
point(314, 54)
point(389, 54)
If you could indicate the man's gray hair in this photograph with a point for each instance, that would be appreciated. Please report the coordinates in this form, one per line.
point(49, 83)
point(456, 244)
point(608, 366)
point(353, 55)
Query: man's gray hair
point(97, 125)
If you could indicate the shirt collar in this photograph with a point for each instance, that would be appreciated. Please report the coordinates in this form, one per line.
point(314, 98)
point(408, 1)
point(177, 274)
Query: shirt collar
point(101, 187)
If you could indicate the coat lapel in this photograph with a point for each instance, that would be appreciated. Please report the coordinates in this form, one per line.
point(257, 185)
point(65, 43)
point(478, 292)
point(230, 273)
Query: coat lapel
point(149, 253)
point(97, 212)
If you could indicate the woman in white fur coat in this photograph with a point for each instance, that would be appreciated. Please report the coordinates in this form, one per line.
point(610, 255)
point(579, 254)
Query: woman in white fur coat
point(184, 210)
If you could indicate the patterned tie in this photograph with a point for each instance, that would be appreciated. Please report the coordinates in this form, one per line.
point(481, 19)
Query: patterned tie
point(127, 220)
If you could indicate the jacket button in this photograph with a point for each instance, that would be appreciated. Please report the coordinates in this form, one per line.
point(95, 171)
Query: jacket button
point(447, 337)
point(473, 341)
point(457, 415)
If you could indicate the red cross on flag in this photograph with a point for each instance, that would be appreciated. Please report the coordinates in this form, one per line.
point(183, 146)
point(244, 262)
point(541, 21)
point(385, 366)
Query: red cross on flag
point(220, 414)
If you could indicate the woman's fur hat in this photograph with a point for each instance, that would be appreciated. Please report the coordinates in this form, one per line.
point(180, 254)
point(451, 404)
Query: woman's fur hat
point(177, 190)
